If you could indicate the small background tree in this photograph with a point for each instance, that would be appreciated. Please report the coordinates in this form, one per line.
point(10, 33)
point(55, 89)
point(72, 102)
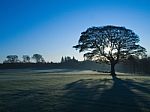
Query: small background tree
point(12, 59)
point(26, 58)
point(110, 44)
point(38, 58)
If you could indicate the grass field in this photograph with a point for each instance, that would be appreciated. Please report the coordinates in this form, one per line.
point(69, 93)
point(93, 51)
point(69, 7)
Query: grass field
point(48, 91)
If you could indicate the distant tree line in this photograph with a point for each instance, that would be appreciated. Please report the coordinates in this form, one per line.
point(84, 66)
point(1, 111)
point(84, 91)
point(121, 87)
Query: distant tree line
point(67, 59)
point(132, 65)
point(136, 65)
point(38, 58)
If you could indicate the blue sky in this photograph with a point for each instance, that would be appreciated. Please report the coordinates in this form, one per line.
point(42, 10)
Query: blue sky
point(52, 27)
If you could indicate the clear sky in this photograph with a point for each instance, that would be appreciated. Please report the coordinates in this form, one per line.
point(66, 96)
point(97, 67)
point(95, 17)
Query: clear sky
point(52, 27)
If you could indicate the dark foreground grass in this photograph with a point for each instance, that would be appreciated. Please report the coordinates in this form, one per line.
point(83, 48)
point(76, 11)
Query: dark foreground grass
point(44, 92)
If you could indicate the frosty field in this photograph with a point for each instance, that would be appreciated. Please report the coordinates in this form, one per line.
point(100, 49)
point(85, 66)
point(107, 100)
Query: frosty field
point(72, 91)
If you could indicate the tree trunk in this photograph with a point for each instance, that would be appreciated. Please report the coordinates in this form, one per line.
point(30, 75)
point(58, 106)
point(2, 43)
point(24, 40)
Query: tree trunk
point(113, 69)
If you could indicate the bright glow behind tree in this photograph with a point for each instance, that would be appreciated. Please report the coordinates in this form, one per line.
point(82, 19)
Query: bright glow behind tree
point(109, 43)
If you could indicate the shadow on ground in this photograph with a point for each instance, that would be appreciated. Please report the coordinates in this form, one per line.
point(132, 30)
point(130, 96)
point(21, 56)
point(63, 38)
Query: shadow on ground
point(107, 95)
point(64, 94)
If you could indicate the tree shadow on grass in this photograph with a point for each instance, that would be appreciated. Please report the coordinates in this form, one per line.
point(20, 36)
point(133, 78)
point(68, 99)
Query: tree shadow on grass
point(106, 95)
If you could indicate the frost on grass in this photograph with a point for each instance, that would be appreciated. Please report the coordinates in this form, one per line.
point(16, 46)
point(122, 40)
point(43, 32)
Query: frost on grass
point(40, 91)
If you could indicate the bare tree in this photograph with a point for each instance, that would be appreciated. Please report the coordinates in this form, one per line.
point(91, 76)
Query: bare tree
point(109, 43)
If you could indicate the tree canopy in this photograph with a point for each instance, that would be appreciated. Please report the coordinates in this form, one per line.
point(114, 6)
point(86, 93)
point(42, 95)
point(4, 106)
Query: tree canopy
point(38, 58)
point(26, 58)
point(12, 59)
point(109, 43)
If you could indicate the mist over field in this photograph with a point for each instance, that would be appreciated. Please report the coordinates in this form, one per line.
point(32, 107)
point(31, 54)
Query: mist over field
point(72, 91)
point(74, 56)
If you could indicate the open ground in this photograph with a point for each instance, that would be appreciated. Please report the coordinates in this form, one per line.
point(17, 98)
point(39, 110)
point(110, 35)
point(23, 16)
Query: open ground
point(72, 91)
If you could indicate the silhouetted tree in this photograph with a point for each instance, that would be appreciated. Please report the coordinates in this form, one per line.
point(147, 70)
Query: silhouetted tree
point(73, 58)
point(67, 59)
point(38, 58)
point(12, 59)
point(62, 60)
point(112, 43)
point(26, 58)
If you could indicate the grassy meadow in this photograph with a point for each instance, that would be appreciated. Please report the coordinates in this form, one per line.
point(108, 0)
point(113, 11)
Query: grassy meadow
point(77, 91)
